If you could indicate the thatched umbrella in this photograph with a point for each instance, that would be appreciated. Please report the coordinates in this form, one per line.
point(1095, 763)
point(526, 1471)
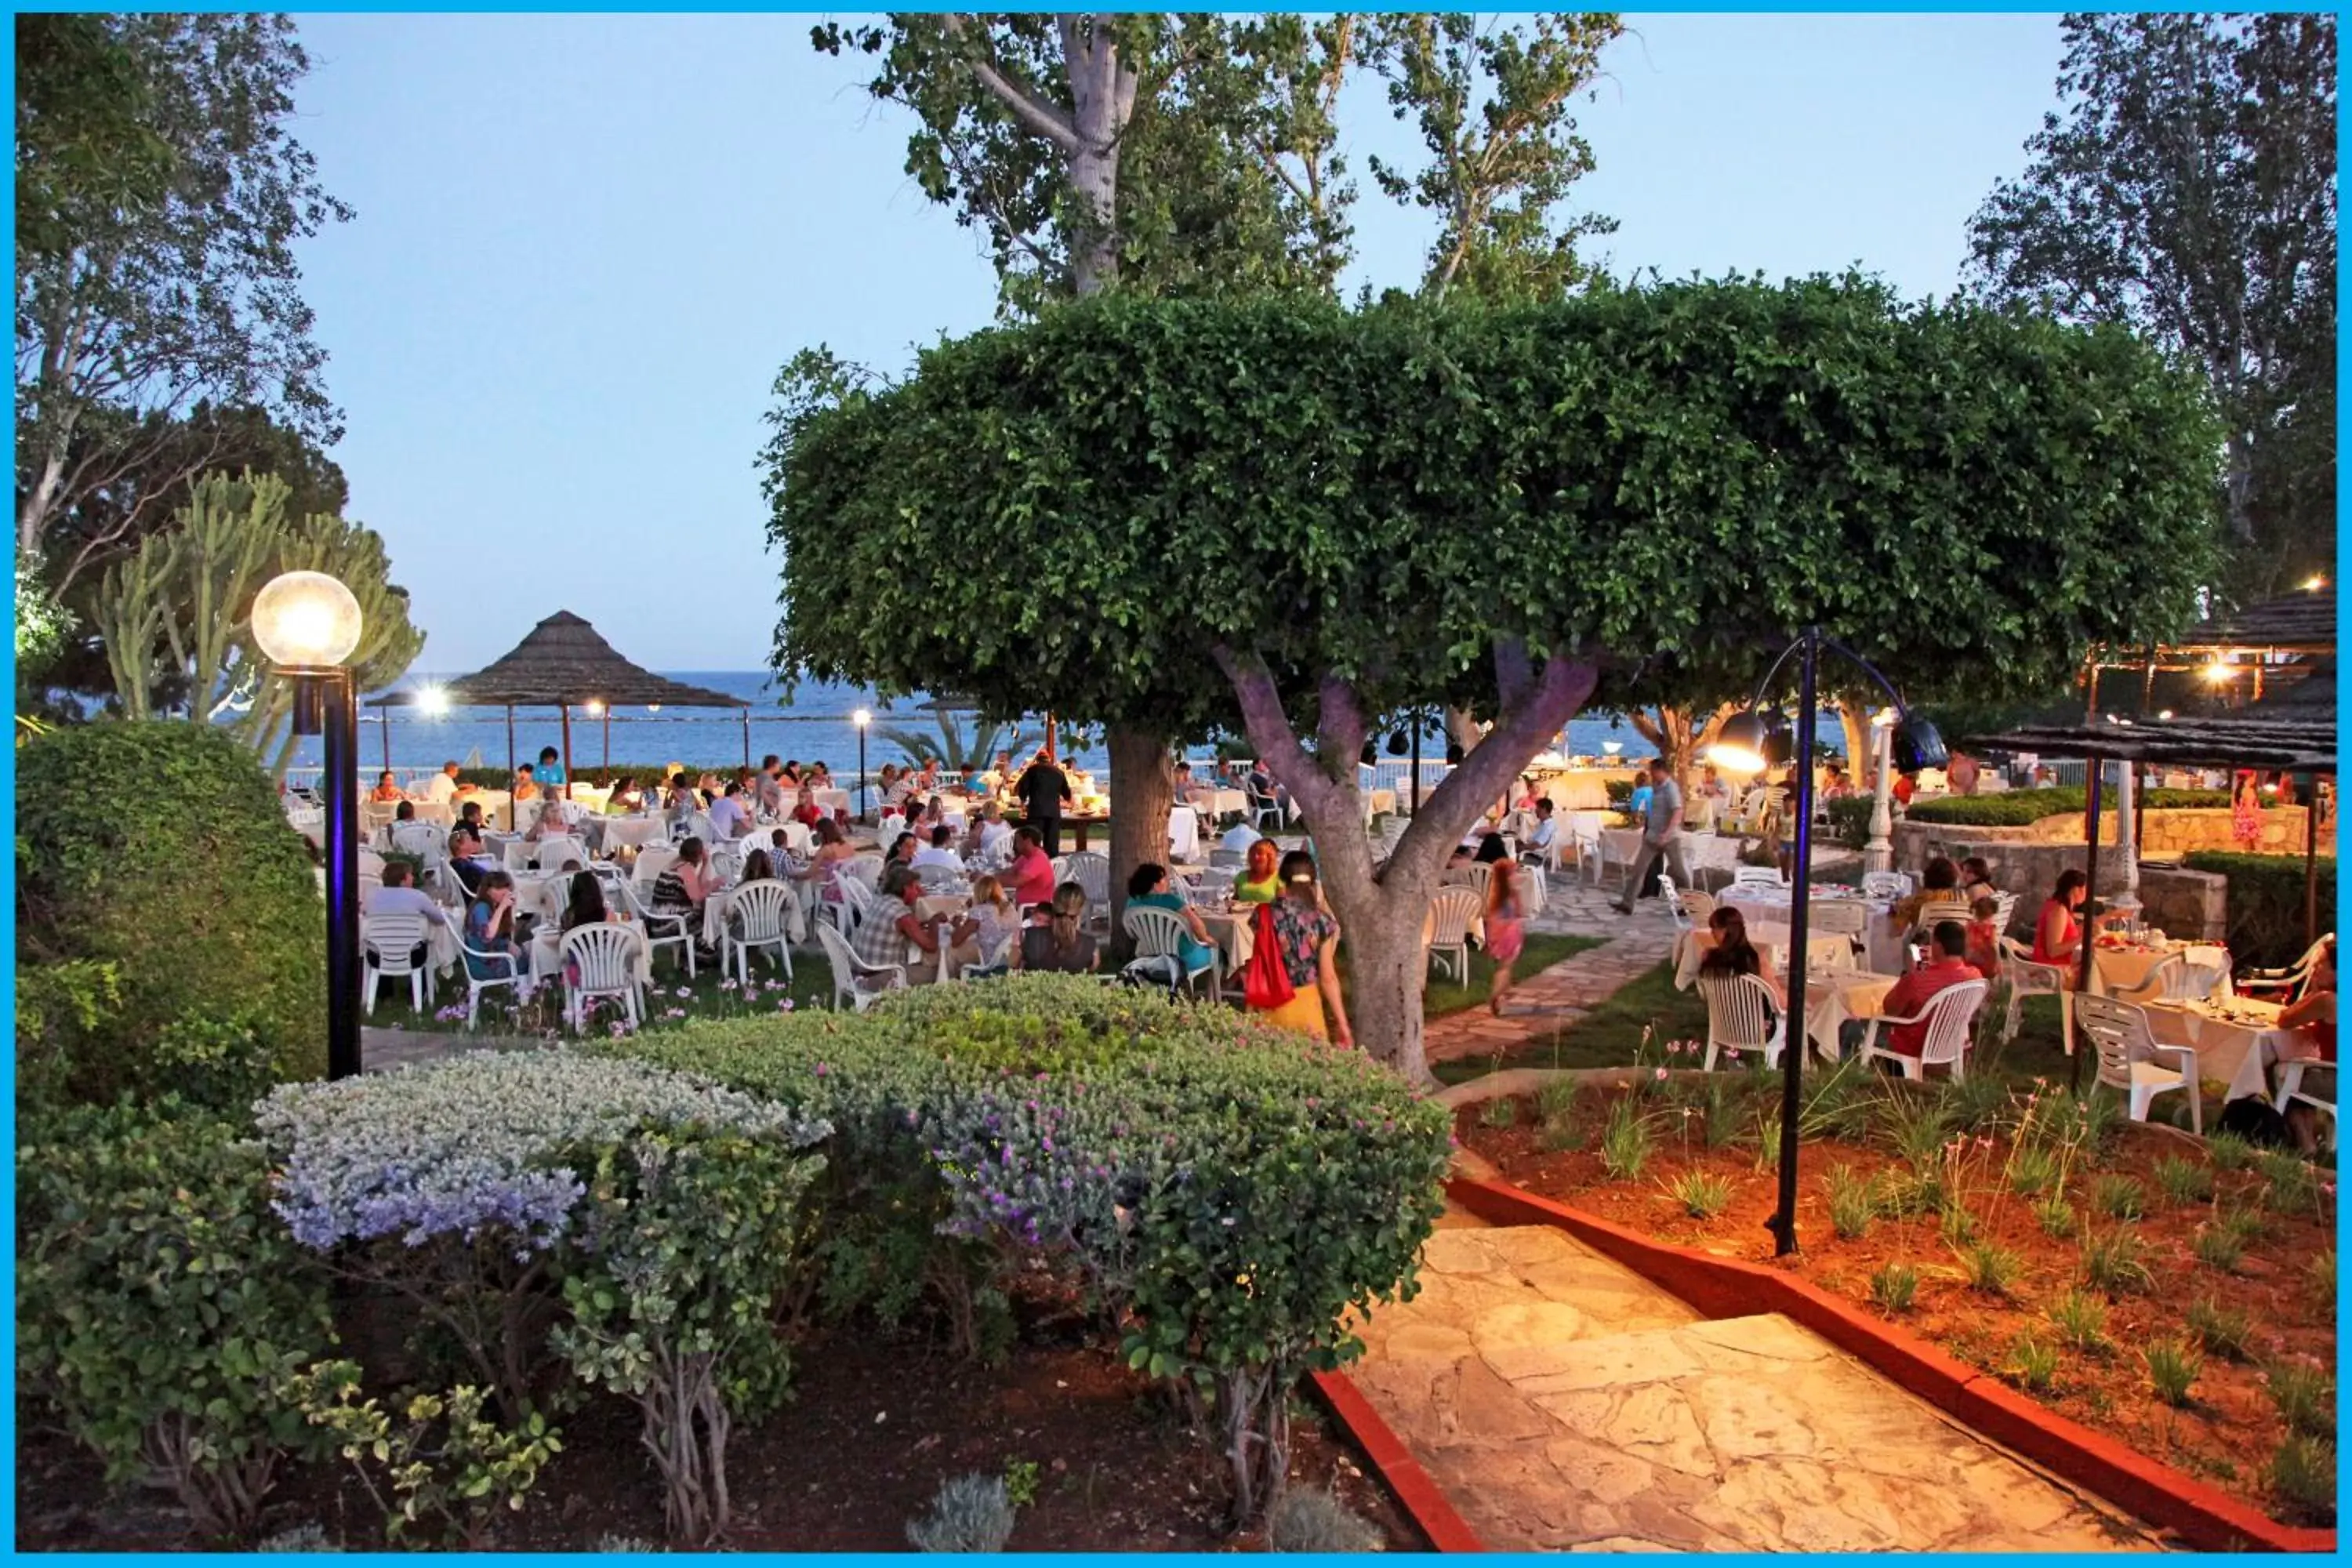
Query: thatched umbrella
point(564, 662)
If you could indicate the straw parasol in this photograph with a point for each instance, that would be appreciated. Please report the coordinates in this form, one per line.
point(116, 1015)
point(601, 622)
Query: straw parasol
point(564, 663)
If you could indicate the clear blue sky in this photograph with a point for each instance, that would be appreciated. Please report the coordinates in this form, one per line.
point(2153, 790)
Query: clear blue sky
point(586, 244)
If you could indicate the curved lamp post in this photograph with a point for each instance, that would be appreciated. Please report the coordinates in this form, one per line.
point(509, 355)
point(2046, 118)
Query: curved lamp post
point(1745, 743)
point(862, 718)
point(308, 624)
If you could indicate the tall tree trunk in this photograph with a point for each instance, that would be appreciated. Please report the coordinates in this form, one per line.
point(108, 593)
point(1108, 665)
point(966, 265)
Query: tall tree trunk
point(1102, 99)
point(1854, 718)
point(1382, 915)
point(1143, 771)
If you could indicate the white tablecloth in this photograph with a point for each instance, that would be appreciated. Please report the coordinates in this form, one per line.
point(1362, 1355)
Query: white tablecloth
point(1229, 929)
point(1829, 1005)
point(2236, 1052)
point(1767, 911)
point(633, 832)
point(1184, 834)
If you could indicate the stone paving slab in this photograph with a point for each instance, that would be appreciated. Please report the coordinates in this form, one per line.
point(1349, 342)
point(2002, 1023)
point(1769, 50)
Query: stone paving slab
point(1563, 1403)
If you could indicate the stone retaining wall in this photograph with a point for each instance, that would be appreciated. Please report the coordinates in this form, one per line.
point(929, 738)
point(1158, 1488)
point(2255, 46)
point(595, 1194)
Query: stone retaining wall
point(2181, 903)
point(2169, 831)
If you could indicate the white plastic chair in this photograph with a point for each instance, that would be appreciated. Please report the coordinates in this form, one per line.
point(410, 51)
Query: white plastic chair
point(757, 917)
point(418, 839)
point(849, 909)
point(1886, 884)
point(2290, 1092)
point(553, 848)
point(1473, 876)
point(652, 861)
point(1742, 1015)
point(2285, 985)
point(1845, 926)
point(606, 955)
point(944, 880)
point(1949, 1015)
point(1758, 877)
point(1450, 912)
point(1091, 871)
point(394, 951)
point(2203, 972)
point(1673, 902)
point(1263, 806)
point(1161, 933)
point(1699, 906)
point(2028, 978)
point(850, 975)
point(2129, 1057)
point(1213, 888)
point(662, 930)
point(476, 984)
point(864, 869)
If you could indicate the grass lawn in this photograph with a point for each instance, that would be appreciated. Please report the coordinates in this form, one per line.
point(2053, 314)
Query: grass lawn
point(1611, 1034)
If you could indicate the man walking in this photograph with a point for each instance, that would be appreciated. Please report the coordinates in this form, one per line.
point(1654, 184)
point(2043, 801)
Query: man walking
point(1662, 831)
point(1043, 790)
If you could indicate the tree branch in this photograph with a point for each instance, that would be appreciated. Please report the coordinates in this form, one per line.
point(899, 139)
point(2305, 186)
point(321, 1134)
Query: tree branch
point(1487, 769)
point(1340, 728)
point(1041, 118)
point(1270, 730)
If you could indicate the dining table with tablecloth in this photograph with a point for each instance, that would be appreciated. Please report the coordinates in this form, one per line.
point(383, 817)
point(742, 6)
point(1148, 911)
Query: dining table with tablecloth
point(619, 833)
point(1767, 909)
point(1835, 1000)
point(2237, 1040)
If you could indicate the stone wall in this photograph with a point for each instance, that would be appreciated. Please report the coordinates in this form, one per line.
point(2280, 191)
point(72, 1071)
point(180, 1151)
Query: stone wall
point(2171, 831)
point(2178, 902)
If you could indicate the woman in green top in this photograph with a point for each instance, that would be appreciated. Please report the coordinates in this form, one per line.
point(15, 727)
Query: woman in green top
point(1258, 884)
point(1148, 889)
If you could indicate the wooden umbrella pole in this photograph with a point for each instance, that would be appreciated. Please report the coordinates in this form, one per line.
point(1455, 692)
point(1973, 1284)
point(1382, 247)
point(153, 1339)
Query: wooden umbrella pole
point(1051, 751)
point(2094, 770)
point(747, 737)
point(510, 768)
point(608, 737)
point(566, 710)
point(383, 717)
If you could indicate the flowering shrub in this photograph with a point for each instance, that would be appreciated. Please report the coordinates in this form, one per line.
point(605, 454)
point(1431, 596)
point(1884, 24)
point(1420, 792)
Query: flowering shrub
point(158, 1304)
point(1234, 1191)
point(462, 1182)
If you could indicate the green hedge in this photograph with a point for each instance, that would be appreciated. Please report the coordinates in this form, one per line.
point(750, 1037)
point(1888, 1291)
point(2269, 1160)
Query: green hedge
point(2023, 808)
point(2265, 917)
point(158, 851)
point(1850, 820)
point(1231, 1193)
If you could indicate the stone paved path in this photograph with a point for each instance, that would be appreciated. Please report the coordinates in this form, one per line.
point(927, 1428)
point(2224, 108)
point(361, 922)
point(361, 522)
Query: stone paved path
point(1542, 1001)
point(1561, 1402)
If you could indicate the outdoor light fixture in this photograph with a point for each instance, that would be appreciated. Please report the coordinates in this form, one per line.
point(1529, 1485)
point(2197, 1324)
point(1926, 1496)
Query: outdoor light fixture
point(592, 706)
point(2314, 583)
point(2165, 714)
point(308, 624)
point(862, 718)
point(1745, 743)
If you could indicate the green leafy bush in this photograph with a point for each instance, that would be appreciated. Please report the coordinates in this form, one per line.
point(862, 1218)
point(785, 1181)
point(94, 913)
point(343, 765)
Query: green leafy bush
point(159, 1302)
point(2118, 1197)
point(2055, 1216)
point(1990, 1267)
point(160, 848)
point(2184, 1182)
point(2023, 808)
point(1850, 821)
point(1627, 1141)
point(2218, 1247)
point(433, 1457)
point(2305, 1398)
point(696, 1239)
point(2117, 1263)
point(2265, 926)
point(1232, 1190)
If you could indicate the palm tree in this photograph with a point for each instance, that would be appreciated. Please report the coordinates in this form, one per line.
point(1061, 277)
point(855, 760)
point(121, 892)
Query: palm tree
point(957, 752)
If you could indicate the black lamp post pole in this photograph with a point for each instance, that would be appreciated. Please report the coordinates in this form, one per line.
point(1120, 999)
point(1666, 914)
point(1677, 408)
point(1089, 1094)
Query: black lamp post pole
point(340, 723)
point(861, 772)
point(1783, 1223)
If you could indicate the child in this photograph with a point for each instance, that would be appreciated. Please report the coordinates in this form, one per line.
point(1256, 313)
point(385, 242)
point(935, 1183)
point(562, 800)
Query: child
point(1504, 935)
point(998, 919)
point(1984, 938)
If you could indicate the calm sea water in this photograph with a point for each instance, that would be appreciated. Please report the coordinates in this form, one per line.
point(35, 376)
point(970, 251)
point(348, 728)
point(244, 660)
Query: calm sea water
point(814, 726)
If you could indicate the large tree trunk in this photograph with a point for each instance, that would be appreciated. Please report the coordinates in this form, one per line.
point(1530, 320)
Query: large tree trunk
point(1102, 100)
point(1854, 719)
point(1143, 774)
point(1382, 915)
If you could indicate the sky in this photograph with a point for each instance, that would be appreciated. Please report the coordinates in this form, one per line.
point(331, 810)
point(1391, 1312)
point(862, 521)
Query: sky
point(586, 244)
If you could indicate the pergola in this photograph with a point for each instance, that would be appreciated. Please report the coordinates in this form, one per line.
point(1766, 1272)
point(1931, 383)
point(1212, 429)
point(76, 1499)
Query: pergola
point(2293, 732)
point(564, 664)
point(2297, 627)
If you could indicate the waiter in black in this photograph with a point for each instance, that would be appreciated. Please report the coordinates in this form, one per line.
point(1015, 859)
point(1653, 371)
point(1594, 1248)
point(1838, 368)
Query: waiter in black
point(1043, 788)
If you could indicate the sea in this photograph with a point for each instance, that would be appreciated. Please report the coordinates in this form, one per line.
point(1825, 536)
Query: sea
point(812, 725)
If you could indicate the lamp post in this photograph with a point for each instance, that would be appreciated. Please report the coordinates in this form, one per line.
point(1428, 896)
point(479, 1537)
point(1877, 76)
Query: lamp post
point(1741, 745)
point(1878, 855)
point(862, 718)
point(308, 624)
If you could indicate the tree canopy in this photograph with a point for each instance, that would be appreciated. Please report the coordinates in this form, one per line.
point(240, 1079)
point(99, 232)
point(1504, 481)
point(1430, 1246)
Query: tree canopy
point(2188, 189)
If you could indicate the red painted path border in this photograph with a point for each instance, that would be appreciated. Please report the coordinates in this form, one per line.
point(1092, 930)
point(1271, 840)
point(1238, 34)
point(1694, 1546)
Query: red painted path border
point(2204, 1516)
point(1415, 1491)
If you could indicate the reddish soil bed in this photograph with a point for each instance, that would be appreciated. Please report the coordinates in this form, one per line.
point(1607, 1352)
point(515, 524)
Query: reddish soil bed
point(2227, 1433)
point(872, 1431)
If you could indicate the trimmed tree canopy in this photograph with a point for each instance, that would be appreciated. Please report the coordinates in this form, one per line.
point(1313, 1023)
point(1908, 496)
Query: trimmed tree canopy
point(1072, 512)
point(1346, 513)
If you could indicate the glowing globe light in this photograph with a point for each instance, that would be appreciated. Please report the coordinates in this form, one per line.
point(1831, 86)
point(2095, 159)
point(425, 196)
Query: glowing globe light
point(306, 620)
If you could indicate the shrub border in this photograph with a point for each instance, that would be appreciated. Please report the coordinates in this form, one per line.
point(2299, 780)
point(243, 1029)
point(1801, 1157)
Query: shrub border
point(2207, 1518)
point(1445, 1530)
